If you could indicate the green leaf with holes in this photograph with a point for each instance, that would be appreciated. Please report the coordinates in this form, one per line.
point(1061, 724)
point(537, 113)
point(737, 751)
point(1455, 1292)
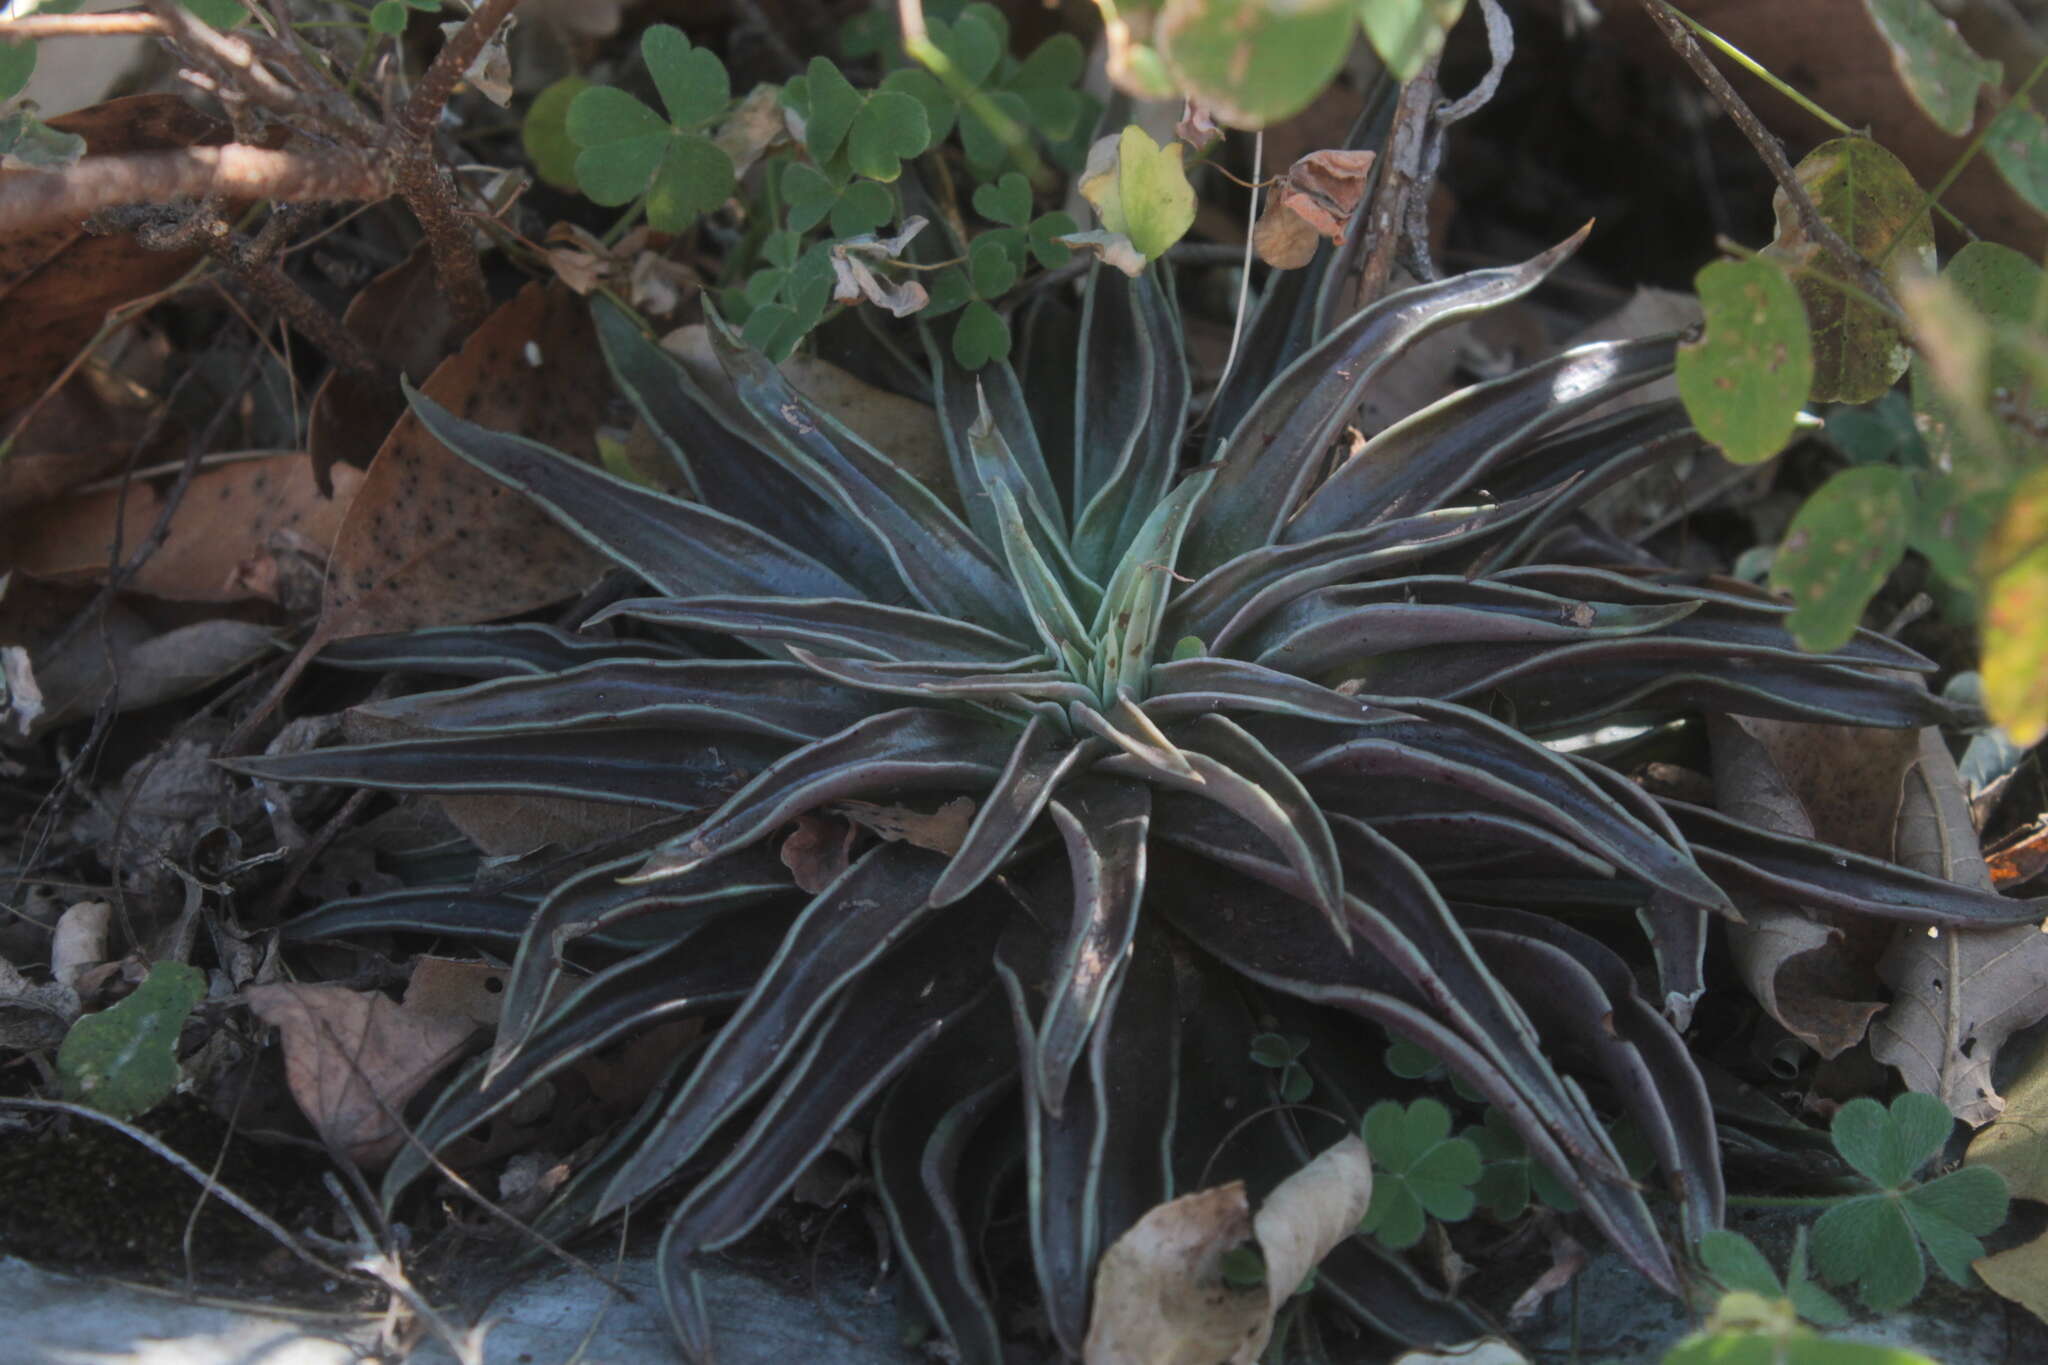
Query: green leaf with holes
point(1744, 381)
point(1420, 1171)
point(124, 1060)
point(1936, 66)
point(1839, 549)
point(1870, 199)
point(1251, 62)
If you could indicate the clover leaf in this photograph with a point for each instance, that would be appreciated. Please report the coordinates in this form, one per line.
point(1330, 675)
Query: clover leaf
point(1282, 1053)
point(782, 302)
point(628, 150)
point(980, 336)
point(1413, 1062)
point(1509, 1177)
point(1419, 1170)
point(1736, 1264)
point(1037, 92)
point(844, 130)
point(1875, 1240)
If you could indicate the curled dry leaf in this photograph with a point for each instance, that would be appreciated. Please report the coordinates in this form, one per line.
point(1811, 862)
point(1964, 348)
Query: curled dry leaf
point(80, 940)
point(1160, 1295)
point(1317, 198)
point(223, 535)
point(753, 127)
point(1811, 971)
point(853, 271)
point(1197, 126)
point(817, 851)
point(353, 1059)
point(1957, 996)
point(140, 668)
point(1113, 248)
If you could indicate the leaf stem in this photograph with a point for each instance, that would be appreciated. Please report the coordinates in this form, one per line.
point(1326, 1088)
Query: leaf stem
point(1763, 73)
point(1969, 154)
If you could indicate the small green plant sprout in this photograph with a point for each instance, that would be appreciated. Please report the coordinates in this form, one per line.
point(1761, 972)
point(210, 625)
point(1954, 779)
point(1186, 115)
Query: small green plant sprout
point(1736, 1264)
point(1282, 1052)
point(1874, 1240)
point(123, 1060)
point(628, 152)
point(1419, 1171)
point(1749, 1328)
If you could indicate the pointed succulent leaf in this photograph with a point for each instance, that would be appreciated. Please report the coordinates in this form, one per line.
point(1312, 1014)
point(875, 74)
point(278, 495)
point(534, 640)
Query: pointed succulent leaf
point(852, 922)
point(520, 649)
point(679, 547)
point(1042, 758)
point(1276, 450)
point(1122, 507)
point(1104, 826)
point(916, 748)
point(841, 625)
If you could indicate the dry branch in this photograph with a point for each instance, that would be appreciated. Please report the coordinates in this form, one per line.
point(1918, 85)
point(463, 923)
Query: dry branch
point(31, 200)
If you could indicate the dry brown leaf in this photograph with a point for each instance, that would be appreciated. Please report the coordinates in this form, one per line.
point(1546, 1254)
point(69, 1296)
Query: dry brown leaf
point(1160, 1296)
point(1813, 972)
point(456, 989)
point(429, 540)
point(353, 1059)
point(402, 318)
point(817, 851)
point(2016, 1146)
point(941, 831)
point(139, 667)
point(755, 125)
point(1323, 189)
point(57, 284)
point(221, 541)
point(1957, 996)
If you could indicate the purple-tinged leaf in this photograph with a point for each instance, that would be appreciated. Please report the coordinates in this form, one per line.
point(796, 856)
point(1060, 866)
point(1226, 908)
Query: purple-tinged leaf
point(1273, 455)
point(680, 547)
point(1122, 507)
point(936, 556)
point(1781, 867)
point(871, 907)
point(1408, 468)
point(1104, 826)
point(626, 767)
point(913, 749)
point(1042, 758)
point(522, 649)
point(782, 701)
point(839, 625)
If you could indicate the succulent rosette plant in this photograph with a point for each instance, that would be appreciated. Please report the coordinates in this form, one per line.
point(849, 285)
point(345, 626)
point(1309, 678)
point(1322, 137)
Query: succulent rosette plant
point(1251, 735)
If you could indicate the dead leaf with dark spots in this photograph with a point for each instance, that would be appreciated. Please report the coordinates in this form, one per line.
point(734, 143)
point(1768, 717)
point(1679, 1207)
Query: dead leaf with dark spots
point(453, 988)
point(353, 1060)
point(402, 318)
point(57, 284)
point(1957, 996)
point(219, 538)
point(430, 540)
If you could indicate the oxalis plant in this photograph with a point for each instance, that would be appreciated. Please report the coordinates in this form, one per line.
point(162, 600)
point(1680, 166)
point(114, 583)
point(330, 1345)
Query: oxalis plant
point(1252, 744)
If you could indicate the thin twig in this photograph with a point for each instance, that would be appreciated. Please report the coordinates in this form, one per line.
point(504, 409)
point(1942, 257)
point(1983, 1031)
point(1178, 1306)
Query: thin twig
point(235, 171)
point(1244, 283)
point(227, 1196)
point(416, 121)
point(1387, 217)
point(78, 26)
point(1817, 228)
